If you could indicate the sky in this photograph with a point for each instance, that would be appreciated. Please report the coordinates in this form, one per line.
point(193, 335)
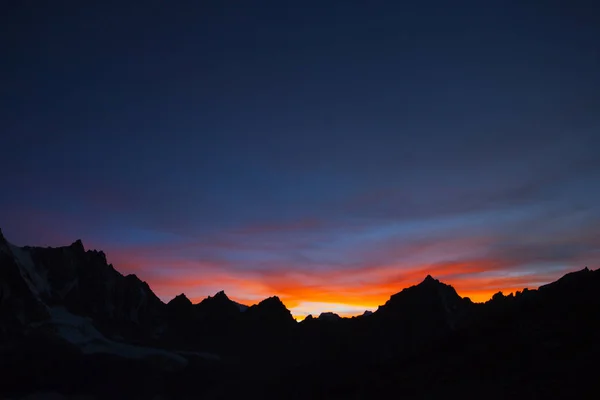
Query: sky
point(330, 153)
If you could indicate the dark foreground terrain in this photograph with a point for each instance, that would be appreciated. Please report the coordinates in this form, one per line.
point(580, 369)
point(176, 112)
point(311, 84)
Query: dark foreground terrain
point(71, 326)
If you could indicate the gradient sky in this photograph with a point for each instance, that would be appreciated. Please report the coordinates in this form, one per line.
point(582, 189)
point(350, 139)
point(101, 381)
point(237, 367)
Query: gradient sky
point(331, 154)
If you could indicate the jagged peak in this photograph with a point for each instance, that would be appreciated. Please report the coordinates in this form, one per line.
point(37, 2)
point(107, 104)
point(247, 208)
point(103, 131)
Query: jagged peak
point(307, 319)
point(180, 299)
point(220, 295)
point(330, 316)
point(570, 278)
point(428, 288)
point(97, 255)
point(428, 283)
point(575, 274)
point(219, 298)
point(585, 270)
point(430, 279)
point(78, 246)
point(273, 309)
point(272, 300)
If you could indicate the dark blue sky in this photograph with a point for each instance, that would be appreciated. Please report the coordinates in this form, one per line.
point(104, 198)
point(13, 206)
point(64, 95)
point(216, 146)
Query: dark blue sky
point(328, 153)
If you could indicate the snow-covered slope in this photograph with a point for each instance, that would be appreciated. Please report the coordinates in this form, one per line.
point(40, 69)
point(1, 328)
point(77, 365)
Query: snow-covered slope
point(80, 332)
point(36, 279)
point(84, 283)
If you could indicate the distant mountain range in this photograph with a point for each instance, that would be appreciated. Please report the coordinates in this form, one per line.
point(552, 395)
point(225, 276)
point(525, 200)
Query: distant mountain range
point(71, 325)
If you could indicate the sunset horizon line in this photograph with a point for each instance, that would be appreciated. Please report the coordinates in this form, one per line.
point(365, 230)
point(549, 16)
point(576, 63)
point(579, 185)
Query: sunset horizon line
point(344, 304)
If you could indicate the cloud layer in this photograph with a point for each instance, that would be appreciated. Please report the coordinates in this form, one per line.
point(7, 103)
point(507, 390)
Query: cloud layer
point(234, 148)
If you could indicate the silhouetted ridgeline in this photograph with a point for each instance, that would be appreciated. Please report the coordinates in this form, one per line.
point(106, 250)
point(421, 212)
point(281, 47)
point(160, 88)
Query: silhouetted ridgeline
point(70, 324)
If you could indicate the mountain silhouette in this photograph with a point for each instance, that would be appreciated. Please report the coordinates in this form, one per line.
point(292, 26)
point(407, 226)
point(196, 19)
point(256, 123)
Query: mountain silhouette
point(71, 324)
point(328, 316)
point(270, 311)
point(431, 298)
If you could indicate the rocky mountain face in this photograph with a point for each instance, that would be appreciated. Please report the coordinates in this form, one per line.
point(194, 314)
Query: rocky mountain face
point(20, 302)
point(85, 284)
point(70, 323)
point(271, 313)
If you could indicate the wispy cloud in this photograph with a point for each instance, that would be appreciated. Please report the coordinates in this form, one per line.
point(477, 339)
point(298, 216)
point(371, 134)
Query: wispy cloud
point(480, 235)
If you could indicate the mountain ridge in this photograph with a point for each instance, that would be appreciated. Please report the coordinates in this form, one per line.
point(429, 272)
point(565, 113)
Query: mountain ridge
point(79, 249)
point(68, 306)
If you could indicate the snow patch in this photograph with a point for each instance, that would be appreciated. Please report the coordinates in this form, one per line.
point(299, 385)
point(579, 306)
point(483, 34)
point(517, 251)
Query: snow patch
point(81, 332)
point(36, 280)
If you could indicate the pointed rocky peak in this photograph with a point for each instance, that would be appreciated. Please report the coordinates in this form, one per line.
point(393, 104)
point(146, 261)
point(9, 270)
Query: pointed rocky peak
point(581, 273)
point(180, 308)
point(180, 300)
point(221, 295)
point(272, 301)
point(308, 318)
point(498, 298)
point(432, 284)
point(429, 287)
point(572, 280)
point(219, 304)
point(430, 300)
point(367, 313)
point(77, 246)
point(271, 309)
point(96, 256)
point(329, 316)
point(220, 299)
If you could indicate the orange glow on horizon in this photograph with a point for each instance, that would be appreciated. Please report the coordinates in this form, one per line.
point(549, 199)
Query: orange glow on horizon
point(349, 291)
point(358, 297)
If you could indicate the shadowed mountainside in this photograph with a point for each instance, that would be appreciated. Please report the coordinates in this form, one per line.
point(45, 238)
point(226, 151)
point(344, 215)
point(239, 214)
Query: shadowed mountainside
point(71, 324)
